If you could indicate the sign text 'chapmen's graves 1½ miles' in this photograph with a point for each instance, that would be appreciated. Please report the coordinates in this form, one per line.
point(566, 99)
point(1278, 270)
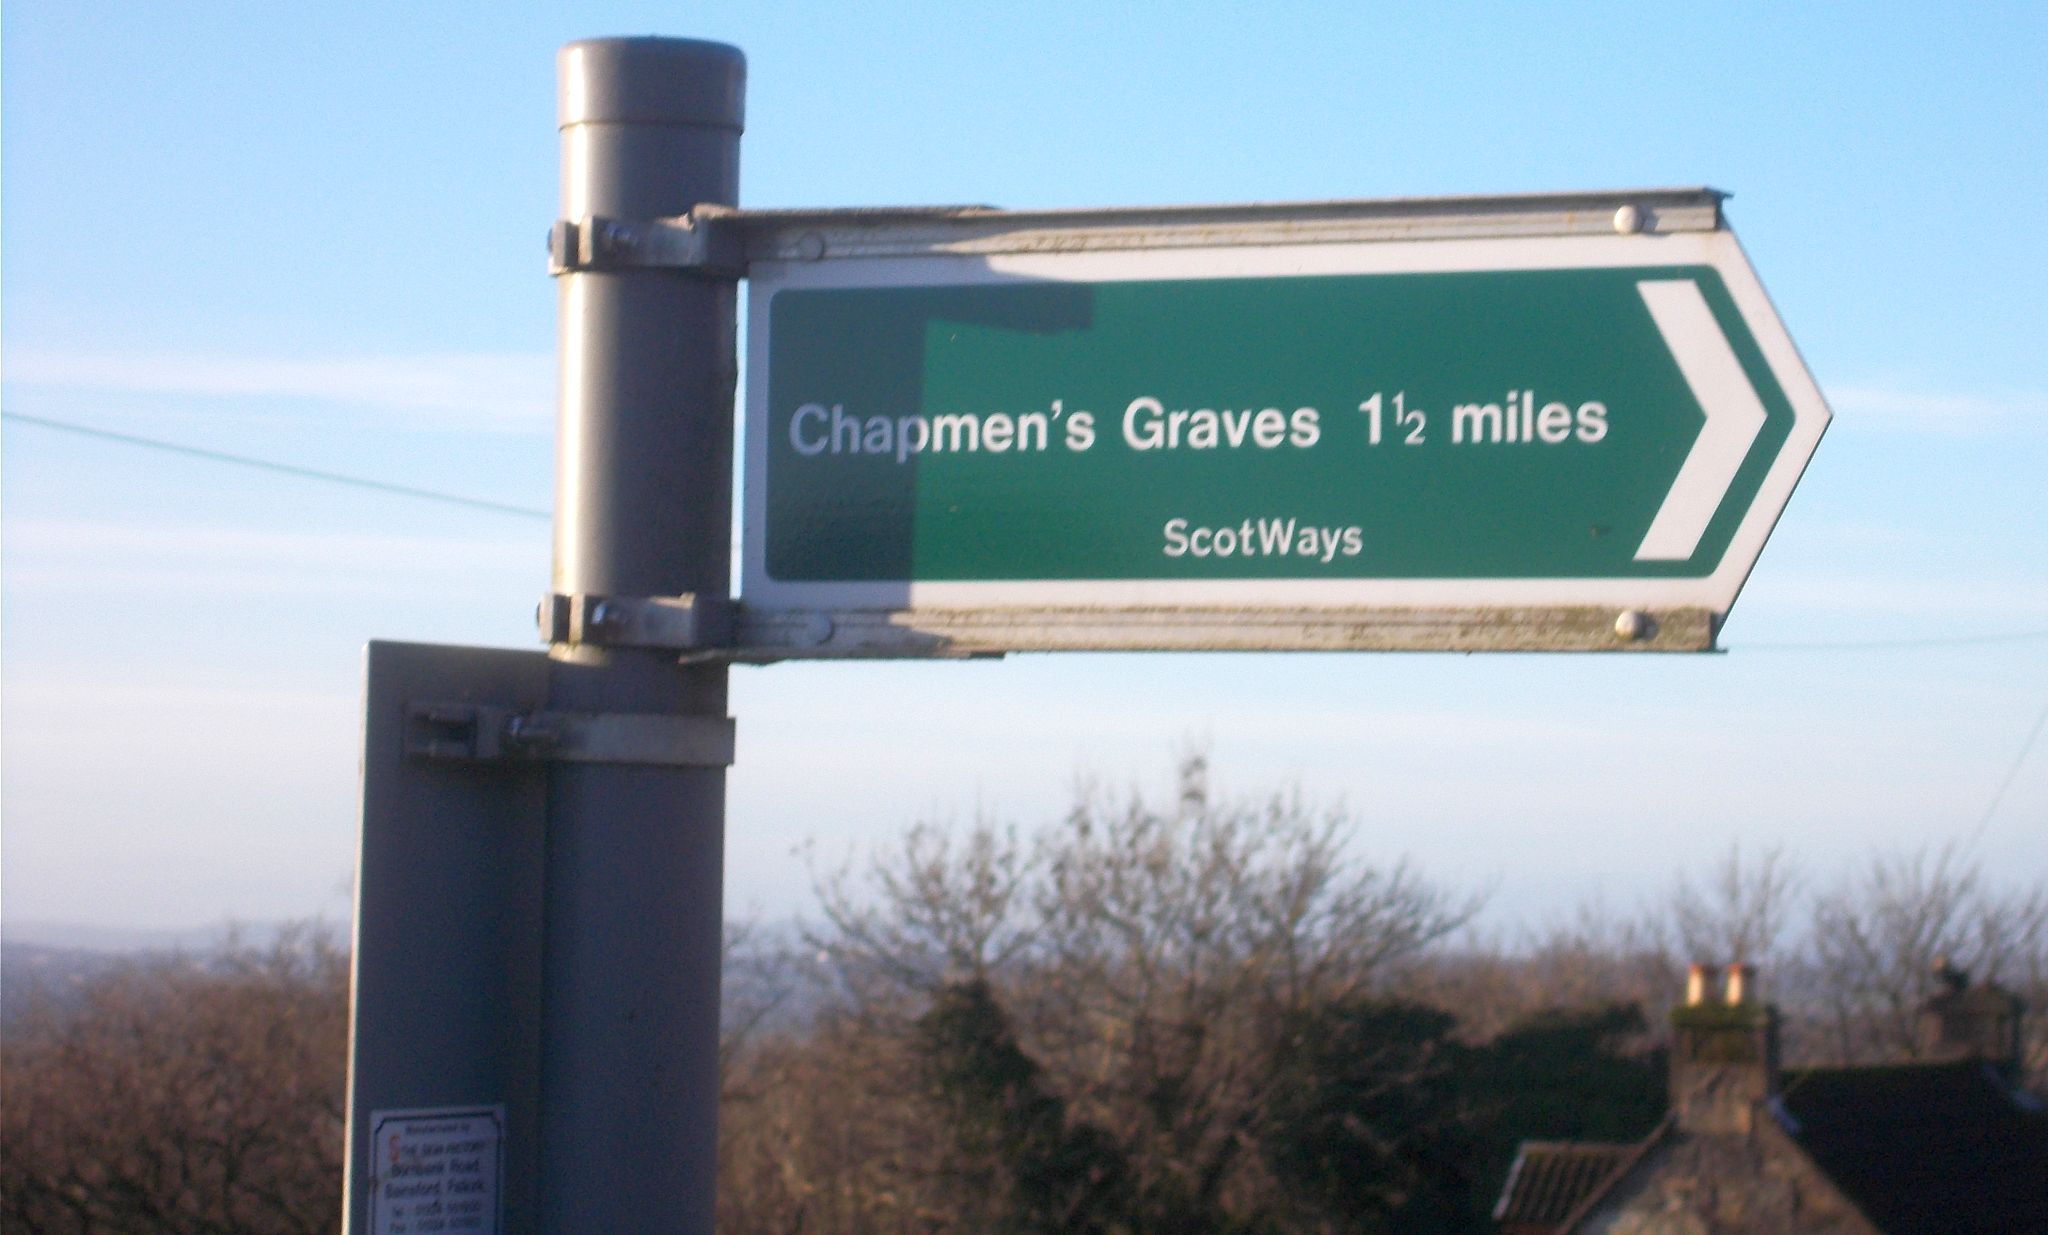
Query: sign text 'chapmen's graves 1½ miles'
point(1509, 425)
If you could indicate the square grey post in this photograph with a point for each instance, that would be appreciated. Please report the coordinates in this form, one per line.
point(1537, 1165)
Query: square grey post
point(446, 993)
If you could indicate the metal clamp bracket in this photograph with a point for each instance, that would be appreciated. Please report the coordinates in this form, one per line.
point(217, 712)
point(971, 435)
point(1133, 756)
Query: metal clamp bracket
point(691, 243)
point(673, 623)
point(480, 733)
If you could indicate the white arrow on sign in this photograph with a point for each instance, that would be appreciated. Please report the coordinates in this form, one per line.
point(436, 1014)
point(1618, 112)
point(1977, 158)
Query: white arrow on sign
point(1734, 417)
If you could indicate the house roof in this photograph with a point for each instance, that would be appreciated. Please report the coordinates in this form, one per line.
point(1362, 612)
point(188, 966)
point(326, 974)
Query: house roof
point(1919, 1149)
point(1924, 1149)
point(1550, 1178)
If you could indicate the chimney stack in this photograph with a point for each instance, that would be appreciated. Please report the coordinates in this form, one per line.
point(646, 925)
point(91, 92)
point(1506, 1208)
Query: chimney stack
point(1964, 1021)
point(1724, 1057)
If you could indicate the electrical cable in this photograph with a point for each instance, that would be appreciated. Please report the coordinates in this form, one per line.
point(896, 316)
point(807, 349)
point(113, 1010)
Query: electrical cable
point(284, 469)
point(2012, 773)
point(360, 482)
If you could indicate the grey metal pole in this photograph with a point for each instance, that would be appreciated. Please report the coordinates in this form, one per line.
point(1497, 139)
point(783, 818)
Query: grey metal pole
point(635, 855)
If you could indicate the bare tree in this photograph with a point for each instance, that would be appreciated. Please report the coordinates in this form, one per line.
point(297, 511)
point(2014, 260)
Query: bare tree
point(1147, 956)
point(1879, 933)
point(827, 1129)
point(1194, 1013)
point(1593, 957)
point(183, 1095)
point(1179, 942)
point(937, 906)
point(1740, 912)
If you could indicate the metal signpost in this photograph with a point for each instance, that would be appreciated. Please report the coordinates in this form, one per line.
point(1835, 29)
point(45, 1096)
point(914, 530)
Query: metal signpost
point(1524, 423)
point(539, 904)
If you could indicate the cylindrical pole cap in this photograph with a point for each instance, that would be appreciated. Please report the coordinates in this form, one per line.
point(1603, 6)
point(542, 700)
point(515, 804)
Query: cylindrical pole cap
point(651, 81)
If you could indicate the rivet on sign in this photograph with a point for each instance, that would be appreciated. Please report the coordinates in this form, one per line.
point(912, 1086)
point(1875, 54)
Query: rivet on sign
point(1633, 624)
point(1628, 220)
point(816, 628)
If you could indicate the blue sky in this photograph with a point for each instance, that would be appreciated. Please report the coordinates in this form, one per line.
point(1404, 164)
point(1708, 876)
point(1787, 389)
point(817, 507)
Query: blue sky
point(313, 234)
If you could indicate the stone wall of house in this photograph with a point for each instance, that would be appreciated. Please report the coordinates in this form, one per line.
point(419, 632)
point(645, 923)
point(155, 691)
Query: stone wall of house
point(1754, 1183)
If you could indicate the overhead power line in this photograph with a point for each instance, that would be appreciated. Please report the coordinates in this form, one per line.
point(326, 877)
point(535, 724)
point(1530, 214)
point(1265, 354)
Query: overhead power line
point(2012, 773)
point(528, 512)
point(282, 469)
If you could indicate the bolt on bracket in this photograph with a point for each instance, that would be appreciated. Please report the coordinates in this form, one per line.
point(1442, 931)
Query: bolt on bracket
point(703, 245)
point(480, 733)
point(686, 623)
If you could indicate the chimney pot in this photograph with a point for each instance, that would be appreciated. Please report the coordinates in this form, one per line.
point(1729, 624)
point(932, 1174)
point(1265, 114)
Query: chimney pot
point(1698, 978)
point(1741, 984)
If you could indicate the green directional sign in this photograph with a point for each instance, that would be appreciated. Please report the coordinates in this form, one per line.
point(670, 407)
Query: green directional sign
point(1516, 433)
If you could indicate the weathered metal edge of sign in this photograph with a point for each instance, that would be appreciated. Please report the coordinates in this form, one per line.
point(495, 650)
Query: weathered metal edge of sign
point(811, 235)
point(723, 241)
point(778, 634)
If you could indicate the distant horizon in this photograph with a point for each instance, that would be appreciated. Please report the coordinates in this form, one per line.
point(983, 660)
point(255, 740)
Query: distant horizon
point(99, 937)
point(1650, 904)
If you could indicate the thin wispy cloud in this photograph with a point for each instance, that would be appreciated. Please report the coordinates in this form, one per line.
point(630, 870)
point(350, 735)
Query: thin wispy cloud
point(74, 537)
point(1959, 412)
point(71, 558)
point(1969, 603)
point(507, 392)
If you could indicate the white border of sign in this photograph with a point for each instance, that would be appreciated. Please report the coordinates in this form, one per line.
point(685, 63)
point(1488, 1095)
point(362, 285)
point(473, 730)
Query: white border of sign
point(1716, 592)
